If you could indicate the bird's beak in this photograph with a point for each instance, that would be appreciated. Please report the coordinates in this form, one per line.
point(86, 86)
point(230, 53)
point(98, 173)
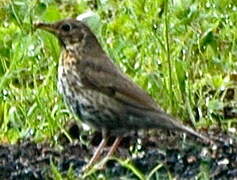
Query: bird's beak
point(46, 26)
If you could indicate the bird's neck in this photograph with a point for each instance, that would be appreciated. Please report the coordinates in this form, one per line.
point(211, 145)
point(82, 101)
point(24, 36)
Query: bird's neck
point(75, 52)
point(88, 46)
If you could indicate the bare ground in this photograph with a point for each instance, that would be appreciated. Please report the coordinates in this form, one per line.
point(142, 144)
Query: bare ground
point(183, 157)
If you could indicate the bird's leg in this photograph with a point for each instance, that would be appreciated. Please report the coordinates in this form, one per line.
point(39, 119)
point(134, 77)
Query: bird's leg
point(114, 146)
point(97, 153)
point(112, 150)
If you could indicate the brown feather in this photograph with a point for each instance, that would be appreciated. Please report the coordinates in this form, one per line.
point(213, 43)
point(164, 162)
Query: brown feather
point(90, 73)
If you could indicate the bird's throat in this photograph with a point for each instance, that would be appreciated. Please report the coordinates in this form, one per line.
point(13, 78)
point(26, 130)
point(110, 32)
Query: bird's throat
point(68, 59)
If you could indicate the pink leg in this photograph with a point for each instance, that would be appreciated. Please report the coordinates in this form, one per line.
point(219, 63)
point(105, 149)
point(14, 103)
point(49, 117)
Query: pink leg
point(114, 146)
point(97, 152)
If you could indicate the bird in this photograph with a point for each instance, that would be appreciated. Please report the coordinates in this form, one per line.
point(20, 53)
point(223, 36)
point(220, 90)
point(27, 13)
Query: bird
point(99, 93)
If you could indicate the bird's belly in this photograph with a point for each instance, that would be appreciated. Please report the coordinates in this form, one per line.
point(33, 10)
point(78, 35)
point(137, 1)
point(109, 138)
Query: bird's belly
point(92, 107)
point(97, 109)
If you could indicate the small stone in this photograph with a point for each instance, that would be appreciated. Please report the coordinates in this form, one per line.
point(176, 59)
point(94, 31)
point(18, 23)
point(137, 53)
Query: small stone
point(191, 159)
point(204, 152)
point(232, 130)
point(223, 162)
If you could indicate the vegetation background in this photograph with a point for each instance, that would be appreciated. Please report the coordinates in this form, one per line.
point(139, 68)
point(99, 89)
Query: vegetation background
point(182, 52)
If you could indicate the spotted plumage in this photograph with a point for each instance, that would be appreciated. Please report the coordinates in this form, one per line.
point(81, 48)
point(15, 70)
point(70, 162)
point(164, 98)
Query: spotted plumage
point(98, 92)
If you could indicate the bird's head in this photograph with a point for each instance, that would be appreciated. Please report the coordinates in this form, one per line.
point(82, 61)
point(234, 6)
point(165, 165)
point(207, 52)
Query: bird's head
point(69, 31)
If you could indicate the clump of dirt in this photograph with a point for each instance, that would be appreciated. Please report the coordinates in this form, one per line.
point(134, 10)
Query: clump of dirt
point(182, 158)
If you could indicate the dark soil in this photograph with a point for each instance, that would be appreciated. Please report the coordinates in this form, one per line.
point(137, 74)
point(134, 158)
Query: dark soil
point(183, 157)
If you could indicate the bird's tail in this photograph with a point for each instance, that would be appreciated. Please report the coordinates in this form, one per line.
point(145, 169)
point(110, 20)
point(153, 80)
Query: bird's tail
point(193, 132)
point(170, 123)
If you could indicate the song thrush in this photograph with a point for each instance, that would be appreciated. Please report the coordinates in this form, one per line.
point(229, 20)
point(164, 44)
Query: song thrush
point(98, 92)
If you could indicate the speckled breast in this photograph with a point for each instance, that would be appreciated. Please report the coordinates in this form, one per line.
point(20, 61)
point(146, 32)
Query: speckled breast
point(92, 107)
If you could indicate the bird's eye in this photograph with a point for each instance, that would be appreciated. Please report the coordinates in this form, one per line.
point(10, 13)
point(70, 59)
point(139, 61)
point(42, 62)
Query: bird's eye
point(66, 27)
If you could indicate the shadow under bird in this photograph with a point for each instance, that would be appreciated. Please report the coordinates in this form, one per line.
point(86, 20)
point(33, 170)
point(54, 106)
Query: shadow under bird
point(99, 93)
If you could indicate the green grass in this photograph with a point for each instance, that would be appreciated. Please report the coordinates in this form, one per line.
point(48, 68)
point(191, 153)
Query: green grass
point(183, 53)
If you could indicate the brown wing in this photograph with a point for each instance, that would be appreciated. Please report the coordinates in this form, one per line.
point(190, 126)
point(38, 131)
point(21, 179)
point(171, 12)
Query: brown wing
point(106, 78)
